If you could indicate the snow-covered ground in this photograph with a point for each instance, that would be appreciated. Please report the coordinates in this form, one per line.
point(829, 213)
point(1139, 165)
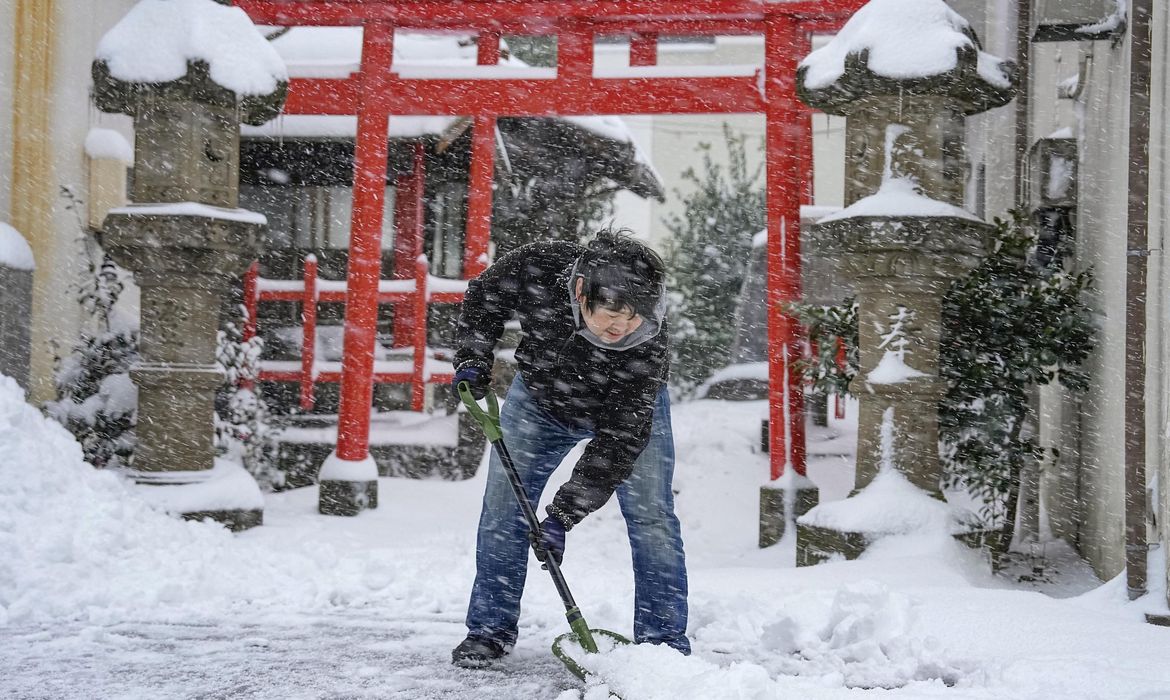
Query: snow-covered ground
point(102, 597)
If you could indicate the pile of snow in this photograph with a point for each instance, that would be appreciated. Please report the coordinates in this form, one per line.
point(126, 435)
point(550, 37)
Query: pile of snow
point(80, 542)
point(862, 636)
point(890, 504)
point(156, 39)
point(197, 209)
point(906, 39)
point(14, 250)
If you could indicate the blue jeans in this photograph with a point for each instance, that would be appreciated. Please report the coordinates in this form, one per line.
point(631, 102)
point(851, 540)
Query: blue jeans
point(537, 443)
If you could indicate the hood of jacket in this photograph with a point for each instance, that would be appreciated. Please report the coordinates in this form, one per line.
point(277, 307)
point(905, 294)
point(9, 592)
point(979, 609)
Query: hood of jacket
point(650, 326)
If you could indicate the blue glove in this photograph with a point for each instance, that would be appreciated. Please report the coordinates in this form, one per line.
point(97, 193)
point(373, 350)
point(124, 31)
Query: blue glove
point(479, 380)
point(552, 540)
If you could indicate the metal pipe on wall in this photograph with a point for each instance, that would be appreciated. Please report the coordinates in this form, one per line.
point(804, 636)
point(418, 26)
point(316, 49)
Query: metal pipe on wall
point(1137, 261)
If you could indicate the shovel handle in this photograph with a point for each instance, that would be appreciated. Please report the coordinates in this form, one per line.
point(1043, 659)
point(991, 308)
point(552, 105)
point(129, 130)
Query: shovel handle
point(489, 420)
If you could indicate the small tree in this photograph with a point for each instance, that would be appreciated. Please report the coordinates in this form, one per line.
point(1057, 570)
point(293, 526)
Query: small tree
point(96, 401)
point(245, 429)
point(1016, 322)
point(707, 257)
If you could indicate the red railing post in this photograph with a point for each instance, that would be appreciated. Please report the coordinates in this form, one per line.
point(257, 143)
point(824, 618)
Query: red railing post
point(783, 46)
point(839, 414)
point(575, 54)
point(309, 334)
point(251, 299)
point(251, 306)
point(418, 380)
point(479, 196)
point(365, 249)
point(487, 48)
point(643, 49)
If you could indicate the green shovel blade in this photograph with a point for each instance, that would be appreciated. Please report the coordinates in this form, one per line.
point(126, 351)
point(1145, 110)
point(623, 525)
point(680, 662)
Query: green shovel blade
point(571, 644)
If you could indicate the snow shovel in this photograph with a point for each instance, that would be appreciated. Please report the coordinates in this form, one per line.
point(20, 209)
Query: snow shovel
point(581, 634)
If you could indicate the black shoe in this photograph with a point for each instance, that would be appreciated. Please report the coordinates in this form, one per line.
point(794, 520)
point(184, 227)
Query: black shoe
point(476, 652)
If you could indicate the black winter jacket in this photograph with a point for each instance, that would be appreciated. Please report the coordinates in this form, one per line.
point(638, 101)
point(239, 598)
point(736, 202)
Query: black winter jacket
point(583, 385)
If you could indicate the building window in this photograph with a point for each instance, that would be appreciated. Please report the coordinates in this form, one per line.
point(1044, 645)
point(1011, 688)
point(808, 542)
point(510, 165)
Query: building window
point(311, 217)
point(445, 244)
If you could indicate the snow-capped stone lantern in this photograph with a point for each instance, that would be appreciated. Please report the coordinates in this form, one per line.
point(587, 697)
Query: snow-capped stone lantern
point(188, 72)
point(906, 74)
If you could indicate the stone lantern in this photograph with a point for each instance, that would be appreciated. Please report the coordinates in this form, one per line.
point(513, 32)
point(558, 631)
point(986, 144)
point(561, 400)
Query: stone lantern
point(903, 239)
point(183, 237)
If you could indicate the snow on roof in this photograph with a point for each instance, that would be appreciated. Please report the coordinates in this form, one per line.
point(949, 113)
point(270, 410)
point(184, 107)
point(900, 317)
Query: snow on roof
point(343, 126)
point(905, 39)
point(107, 143)
point(156, 39)
point(198, 209)
point(1110, 23)
point(336, 52)
point(14, 250)
point(899, 197)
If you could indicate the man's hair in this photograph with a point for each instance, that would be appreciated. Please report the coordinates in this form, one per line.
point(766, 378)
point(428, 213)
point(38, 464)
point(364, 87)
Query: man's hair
point(620, 272)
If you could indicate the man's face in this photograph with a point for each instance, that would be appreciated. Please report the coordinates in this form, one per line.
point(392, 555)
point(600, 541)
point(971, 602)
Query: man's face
point(608, 324)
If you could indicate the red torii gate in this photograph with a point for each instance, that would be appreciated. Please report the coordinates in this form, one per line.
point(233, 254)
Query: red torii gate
point(375, 93)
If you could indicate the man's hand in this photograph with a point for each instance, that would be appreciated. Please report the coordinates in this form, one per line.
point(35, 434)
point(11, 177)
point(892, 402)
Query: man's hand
point(551, 542)
point(479, 380)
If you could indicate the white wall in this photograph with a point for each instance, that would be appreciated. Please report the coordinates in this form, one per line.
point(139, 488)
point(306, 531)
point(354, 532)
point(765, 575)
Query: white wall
point(1158, 380)
point(7, 80)
point(79, 27)
point(1102, 244)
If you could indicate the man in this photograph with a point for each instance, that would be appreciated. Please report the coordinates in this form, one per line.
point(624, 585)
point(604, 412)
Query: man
point(592, 364)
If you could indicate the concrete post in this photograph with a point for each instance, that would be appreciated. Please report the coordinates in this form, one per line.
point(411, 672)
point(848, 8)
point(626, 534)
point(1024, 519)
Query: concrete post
point(16, 287)
point(187, 244)
point(904, 239)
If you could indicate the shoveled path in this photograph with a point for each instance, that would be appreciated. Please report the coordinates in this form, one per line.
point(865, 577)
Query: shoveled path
point(352, 654)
